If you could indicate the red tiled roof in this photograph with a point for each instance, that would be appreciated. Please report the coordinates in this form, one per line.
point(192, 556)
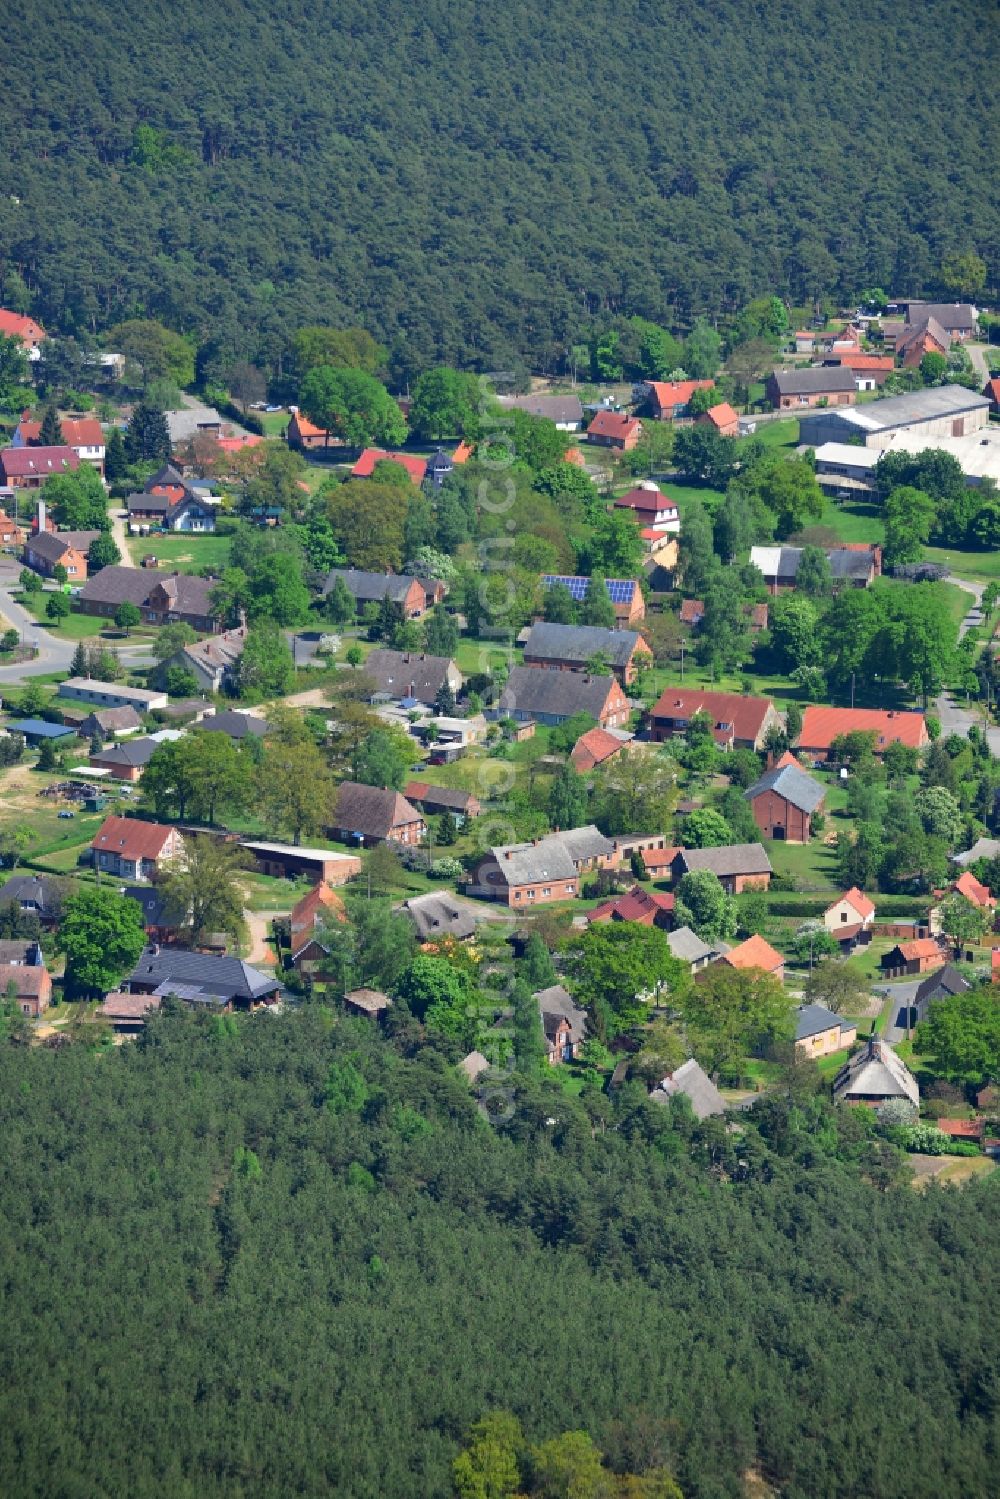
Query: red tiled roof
point(723, 415)
point(574, 456)
point(131, 838)
point(462, 453)
point(975, 892)
point(787, 759)
point(643, 500)
point(671, 393)
point(868, 361)
point(962, 1129)
point(594, 747)
point(923, 947)
point(16, 325)
point(365, 466)
point(821, 726)
point(992, 389)
point(692, 612)
point(317, 902)
point(755, 952)
point(26, 463)
point(26, 977)
point(746, 715)
point(82, 432)
point(858, 900)
point(636, 904)
point(656, 859)
point(613, 424)
point(235, 444)
point(305, 427)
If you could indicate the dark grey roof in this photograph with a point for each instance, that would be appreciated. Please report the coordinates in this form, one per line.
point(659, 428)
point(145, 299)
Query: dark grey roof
point(534, 863)
point(555, 1004)
point(949, 314)
point(691, 1080)
point(737, 858)
point(814, 382)
point(236, 725)
point(168, 474)
point(229, 978)
point(372, 587)
point(52, 545)
point(585, 843)
point(533, 690)
point(783, 562)
point(132, 753)
point(113, 719)
point(21, 951)
point(148, 504)
point(439, 915)
point(434, 798)
point(156, 910)
point(34, 891)
point(791, 783)
point(580, 643)
point(118, 585)
point(407, 673)
point(915, 331)
point(812, 1020)
point(946, 981)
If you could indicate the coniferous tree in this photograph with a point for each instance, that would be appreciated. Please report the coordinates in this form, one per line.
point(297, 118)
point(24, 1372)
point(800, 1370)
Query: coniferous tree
point(51, 433)
point(115, 459)
point(148, 437)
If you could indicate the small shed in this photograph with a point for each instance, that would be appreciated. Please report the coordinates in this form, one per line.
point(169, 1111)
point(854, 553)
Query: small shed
point(371, 1003)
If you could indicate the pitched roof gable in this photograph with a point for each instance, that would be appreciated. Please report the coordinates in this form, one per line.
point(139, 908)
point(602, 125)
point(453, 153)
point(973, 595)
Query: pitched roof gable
point(131, 838)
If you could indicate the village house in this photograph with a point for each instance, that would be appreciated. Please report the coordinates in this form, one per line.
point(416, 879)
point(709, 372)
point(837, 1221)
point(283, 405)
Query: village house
point(694, 1083)
point(411, 597)
point(36, 895)
point(820, 1033)
point(12, 533)
point(959, 320)
point(615, 429)
point(783, 803)
point(596, 747)
point(691, 613)
point(83, 434)
point(906, 958)
point(190, 513)
point(574, 648)
point(543, 871)
point(875, 1075)
point(917, 339)
point(789, 390)
point(738, 867)
point(161, 597)
point(722, 419)
point(651, 507)
point(48, 550)
point(28, 468)
point(738, 722)
point(646, 907)
point(305, 437)
point(29, 985)
point(110, 722)
point(688, 947)
point(27, 332)
point(131, 849)
point(126, 761)
point(415, 468)
point(669, 400)
point(565, 411)
point(756, 953)
point(434, 801)
point(438, 916)
point(161, 917)
point(126, 1013)
point(238, 723)
point(870, 371)
point(551, 697)
point(319, 907)
point(375, 814)
point(625, 595)
point(850, 918)
point(856, 565)
point(412, 675)
point(202, 980)
point(821, 726)
point(563, 1022)
point(213, 662)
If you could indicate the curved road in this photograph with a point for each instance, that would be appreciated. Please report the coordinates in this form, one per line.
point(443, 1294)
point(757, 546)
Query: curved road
point(55, 652)
point(958, 718)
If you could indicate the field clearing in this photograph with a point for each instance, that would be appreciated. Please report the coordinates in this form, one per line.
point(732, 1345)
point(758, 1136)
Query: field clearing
point(182, 553)
point(950, 1171)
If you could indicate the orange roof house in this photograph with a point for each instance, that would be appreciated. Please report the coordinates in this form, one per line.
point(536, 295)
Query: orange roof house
point(723, 418)
point(615, 429)
point(416, 468)
point(911, 957)
point(463, 452)
point(821, 726)
point(669, 400)
point(738, 722)
point(16, 325)
point(318, 907)
point(647, 907)
point(594, 748)
point(975, 893)
point(755, 952)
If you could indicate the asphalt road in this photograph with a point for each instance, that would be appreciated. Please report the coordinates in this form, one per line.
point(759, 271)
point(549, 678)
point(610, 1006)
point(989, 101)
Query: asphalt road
point(956, 717)
point(55, 653)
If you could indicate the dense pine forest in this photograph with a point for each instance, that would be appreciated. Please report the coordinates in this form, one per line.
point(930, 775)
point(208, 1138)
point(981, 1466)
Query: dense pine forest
point(483, 182)
point(281, 1255)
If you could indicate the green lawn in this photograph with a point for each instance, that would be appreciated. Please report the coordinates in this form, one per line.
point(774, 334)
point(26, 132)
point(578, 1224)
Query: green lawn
point(853, 520)
point(978, 567)
point(813, 865)
point(780, 434)
point(273, 422)
point(73, 627)
point(183, 553)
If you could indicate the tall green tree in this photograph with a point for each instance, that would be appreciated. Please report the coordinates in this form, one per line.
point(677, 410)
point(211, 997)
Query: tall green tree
point(101, 934)
point(147, 437)
point(352, 405)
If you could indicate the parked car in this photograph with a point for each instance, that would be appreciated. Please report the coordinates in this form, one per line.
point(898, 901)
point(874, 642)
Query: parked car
point(66, 813)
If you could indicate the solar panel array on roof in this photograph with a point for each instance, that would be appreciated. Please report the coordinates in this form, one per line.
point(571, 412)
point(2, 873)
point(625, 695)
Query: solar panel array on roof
point(620, 590)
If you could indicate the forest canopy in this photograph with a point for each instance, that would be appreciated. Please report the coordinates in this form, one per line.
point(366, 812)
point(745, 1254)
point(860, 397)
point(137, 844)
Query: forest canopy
point(478, 185)
point(277, 1255)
